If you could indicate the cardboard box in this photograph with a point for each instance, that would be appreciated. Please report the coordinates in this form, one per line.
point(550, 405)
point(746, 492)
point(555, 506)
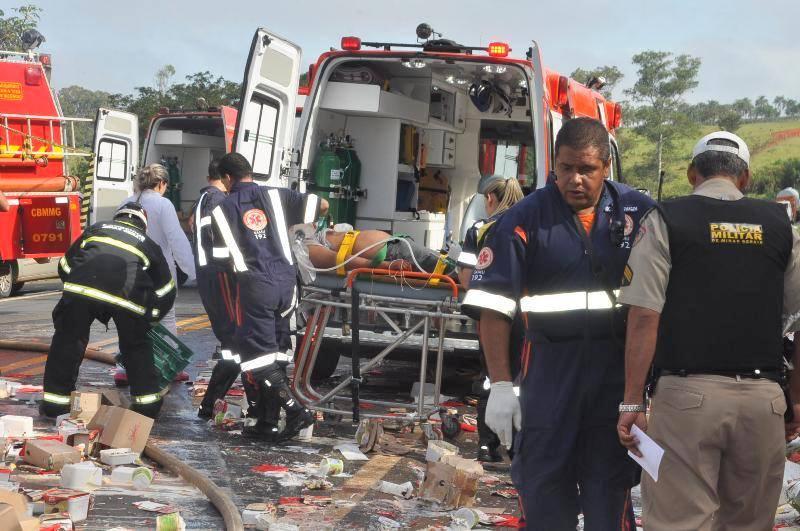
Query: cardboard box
point(56, 521)
point(122, 428)
point(84, 404)
point(14, 513)
point(452, 482)
point(17, 426)
point(15, 500)
point(74, 502)
point(50, 455)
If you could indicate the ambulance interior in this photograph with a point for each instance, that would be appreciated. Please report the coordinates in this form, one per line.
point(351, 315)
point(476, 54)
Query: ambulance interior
point(421, 143)
point(185, 145)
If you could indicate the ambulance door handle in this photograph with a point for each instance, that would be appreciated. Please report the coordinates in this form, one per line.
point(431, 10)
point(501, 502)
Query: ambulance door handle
point(246, 135)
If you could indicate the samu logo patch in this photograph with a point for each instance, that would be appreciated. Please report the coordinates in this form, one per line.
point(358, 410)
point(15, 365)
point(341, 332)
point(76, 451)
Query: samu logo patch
point(255, 219)
point(485, 258)
point(739, 233)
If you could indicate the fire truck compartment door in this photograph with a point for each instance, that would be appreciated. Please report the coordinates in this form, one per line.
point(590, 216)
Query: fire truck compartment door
point(267, 108)
point(116, 150)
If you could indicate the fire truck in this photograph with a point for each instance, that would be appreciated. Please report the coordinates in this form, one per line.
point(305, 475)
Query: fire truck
point(36, 141)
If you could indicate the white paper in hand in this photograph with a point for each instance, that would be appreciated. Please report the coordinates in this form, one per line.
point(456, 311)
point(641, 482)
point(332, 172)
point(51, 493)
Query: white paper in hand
point(651, 452)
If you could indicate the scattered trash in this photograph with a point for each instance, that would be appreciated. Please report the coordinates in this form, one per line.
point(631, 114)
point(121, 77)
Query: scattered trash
point(268, 468)
point(17, 426)
point(73, 502)
point(318, 484)
point(55, 522)
point(439, 449)
point(330, 466)
point(306, 434)
point(49, 454)
point(118, 456)
point(385, 523)
point(260, 515)
point(452, 481)
point(509, 494)
point(122, 428)
point(81, 476)
point(351, 452)
point(405, 490)
point(155, 507)
point(170, 522)
point(84, 405)
point(466, 517)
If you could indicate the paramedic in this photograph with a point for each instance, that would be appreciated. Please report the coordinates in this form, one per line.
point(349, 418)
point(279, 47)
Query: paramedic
point(216, 288)
point(500, 193)
point(113, 271)
point(164, 228)
point(557, 258)
point(253, 223)
point(715, 283)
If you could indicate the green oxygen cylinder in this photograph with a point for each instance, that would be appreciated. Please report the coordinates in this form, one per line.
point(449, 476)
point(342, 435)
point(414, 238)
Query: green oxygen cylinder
point(351, 178)
point(327, 172)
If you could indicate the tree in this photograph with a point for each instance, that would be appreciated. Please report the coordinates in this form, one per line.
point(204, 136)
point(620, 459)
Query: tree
point(729, 120)
point(611, 74)
point(763, 110)
point(162, 77)
point(744, 107)
point(780, 104)
point(663, 81)
point(13, 26)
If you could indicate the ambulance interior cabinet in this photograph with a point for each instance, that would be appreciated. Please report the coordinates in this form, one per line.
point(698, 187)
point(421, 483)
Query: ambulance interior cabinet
point(441, 147)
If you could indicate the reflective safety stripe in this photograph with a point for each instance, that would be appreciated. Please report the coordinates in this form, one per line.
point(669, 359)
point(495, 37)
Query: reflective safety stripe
point(154, 312)
point(166, 288)
point(119, 245)
point(230, 242)
point(220, 252)
point(265, 361)
point(292, 305)
point(516, 390)
point(564, 302)
point(487, 384)
point(229, 355)
point(56, 399)
point(148, 399)
point(92, 293)
point(200, 222)
point(468, 259)
point(312, 203)
point(491, 301)
point(280, 221)
point(65, 265)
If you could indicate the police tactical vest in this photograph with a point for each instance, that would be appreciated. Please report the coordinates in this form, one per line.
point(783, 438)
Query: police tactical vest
point(724, 300)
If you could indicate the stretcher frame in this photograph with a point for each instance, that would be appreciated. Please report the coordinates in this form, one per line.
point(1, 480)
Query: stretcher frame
point(435, 304)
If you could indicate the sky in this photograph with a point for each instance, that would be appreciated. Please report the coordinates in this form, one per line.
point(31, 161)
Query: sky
point(748, 48)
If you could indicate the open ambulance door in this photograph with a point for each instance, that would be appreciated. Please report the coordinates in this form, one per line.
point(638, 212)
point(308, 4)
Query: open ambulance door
point(539, 114)
point(267, 107)
point(116, 151)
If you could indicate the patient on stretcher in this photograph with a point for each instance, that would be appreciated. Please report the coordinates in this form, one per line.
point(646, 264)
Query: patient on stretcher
point(328, 248)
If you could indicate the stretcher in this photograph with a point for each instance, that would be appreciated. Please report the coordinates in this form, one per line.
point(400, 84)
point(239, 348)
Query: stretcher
point(410, 312)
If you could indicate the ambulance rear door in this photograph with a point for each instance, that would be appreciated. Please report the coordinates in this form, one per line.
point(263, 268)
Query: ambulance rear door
point(116, 151)
point(267, 107)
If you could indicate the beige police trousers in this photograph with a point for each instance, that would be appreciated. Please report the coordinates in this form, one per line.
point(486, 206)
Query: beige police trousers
point(723, 441)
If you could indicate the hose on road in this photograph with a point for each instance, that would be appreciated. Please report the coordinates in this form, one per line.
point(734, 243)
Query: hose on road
point(217, 496)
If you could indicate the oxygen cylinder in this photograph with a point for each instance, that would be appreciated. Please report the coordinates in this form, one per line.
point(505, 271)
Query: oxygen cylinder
point(327, 171)
point(351, 168)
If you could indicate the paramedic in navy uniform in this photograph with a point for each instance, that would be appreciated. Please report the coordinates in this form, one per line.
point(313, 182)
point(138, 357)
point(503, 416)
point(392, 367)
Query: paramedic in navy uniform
point(253, 222)
point(558, 258)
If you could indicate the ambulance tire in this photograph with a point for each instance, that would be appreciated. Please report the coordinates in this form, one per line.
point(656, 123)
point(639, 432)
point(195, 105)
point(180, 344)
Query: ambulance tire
point(8, 274)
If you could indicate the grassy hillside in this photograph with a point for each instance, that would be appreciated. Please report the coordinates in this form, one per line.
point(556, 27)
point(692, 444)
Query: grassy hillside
point(765, 151)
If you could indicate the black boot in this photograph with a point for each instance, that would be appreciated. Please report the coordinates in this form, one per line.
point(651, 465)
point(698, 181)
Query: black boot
point(297, 416)
point(222, 377)
point(48, 409)
point(267, 412)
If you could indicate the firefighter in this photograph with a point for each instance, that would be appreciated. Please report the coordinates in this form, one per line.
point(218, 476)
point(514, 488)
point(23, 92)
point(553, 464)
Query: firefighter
point(215, 283)
point(113, 271)
point(500, 193)
point(557, 258)
point(253, 222)
point(715, 283)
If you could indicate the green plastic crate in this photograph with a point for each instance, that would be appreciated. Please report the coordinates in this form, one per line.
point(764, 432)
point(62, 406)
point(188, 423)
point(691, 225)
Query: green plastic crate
point(170, 355)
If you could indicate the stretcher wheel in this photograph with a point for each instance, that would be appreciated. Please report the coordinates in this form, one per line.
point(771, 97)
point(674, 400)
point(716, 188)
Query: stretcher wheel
point(327, 358)
point(451, 425)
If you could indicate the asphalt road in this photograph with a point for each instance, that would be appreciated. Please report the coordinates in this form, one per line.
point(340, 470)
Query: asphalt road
point(226, 457)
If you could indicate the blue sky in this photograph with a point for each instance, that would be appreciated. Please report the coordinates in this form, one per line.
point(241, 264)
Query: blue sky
point(748, 48)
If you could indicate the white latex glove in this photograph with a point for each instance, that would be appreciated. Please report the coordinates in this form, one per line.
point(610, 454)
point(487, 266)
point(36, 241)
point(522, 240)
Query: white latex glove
point(503, 413)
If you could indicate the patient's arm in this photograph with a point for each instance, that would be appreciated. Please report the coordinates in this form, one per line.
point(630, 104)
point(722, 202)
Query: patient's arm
point(322, 258)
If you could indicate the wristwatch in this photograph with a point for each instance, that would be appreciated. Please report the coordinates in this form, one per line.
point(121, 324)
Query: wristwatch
point(631, 408)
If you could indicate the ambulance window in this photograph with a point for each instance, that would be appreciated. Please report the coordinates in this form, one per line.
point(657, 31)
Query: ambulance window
point(259, 134)
point(506, 148)
point(112, 160)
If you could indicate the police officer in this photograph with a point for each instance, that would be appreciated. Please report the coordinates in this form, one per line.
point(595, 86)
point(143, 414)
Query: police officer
point(113, 271)
point(714, 284)
point(500, 193)
point(253, 222)
point(557, 257)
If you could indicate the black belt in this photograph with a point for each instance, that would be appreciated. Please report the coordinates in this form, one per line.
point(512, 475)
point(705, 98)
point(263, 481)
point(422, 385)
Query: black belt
point(755, 374)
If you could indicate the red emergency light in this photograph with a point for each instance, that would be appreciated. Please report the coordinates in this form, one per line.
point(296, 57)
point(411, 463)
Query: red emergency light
point(304, 91)
point(33, 75)
point(562, 95)
point(498, 49)
point(351, 44)
point(615, 118)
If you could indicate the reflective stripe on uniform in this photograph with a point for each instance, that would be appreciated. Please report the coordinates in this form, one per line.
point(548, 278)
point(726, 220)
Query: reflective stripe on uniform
point(149, 398)
point(490, 301)
point(292, 305)
point(312, 203)
point(564, 302)
point(280, 222)
point(55, 399)
point(220, 252)
point(166, 288)
point(200, 222)
point(93, 293)
point(229, 355)
point(155, 312)
point(64, 265)
point(119, 245)
point(230, 242)
point(467, 259)
point(264, 361)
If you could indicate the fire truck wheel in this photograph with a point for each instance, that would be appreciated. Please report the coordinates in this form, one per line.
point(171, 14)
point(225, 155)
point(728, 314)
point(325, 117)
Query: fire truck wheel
point(8, 274)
